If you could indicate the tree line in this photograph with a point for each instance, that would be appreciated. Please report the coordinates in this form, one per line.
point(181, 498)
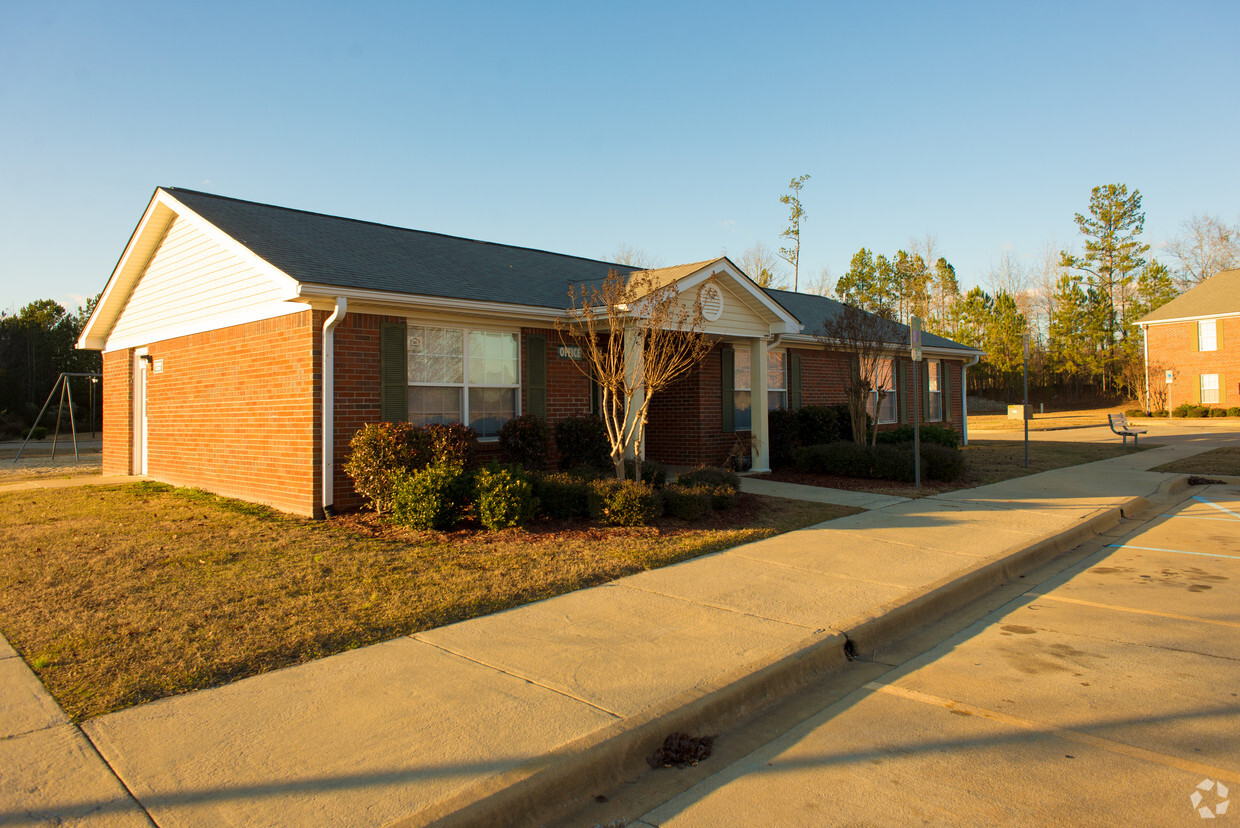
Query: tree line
point(37, 344)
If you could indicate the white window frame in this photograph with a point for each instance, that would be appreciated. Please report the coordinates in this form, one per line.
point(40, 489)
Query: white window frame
point(465, 385)
point(934, 393)
point(1207, 335)
point(737, 388)
point(1209, 386)
point(891, 397)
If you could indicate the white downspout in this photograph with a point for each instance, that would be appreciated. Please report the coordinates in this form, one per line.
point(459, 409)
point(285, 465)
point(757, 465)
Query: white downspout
point(329, 398)
point(964, 397)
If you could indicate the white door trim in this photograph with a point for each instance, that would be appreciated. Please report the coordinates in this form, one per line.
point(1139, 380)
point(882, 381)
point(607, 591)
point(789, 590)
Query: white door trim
point(139, 412)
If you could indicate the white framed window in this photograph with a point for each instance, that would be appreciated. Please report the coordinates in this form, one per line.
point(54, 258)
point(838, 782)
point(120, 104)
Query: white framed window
point(460, 376)
point(883, 382)
point(1209, 388)
point(1207, 335)
point(934, 394)
point(742, 396)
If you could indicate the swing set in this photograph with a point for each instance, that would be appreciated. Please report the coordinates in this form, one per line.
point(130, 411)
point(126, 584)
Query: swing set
point(66, 393)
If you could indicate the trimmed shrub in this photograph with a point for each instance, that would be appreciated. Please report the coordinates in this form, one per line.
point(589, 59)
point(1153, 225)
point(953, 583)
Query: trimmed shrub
point(1198, 411)
point(624, 502)
point(1218, 412)
point(710, 476)
point(453, 444)
point(941, 463)
point(843, 457)
point(582, 441)
point(651, 472)
point(1181, 410)
point(525, 440)
point(504, 497)
point(1165, 413)
point(939, 435)
point(843, 418)
point(687, 502)
point(377, 451)
point(562, 495)
point(817, 424)
point(1135, 412)
point(36, 433)
point(785, 436)
point(892, 462)
point(1234, 411)
point(434, 498)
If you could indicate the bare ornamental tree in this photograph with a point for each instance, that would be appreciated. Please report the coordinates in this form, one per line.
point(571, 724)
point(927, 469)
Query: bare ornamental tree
point(637, 336)
point(872, 340)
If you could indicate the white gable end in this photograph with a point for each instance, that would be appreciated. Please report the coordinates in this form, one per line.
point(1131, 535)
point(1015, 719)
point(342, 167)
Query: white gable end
point(191, 284)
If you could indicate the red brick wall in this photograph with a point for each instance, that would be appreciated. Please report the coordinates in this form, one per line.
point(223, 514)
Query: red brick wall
point(232, 412)
point(1173, 346)
point(118, 412)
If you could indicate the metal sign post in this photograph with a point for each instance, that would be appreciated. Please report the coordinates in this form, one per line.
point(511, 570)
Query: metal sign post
point(914, 332)
point(1025, 411)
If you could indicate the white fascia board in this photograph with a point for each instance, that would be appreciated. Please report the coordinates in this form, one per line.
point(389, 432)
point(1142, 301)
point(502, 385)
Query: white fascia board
point(308, 291)
point(1200, 318)
point(255, 313)
point(160, 213)
point(791, 324)
point(143, 243)
point(792, 340)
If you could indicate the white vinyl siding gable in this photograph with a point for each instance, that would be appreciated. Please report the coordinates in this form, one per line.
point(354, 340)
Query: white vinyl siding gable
point(191, 278)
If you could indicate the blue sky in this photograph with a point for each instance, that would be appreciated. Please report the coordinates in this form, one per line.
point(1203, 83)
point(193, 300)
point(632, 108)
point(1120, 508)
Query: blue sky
point(578, 127)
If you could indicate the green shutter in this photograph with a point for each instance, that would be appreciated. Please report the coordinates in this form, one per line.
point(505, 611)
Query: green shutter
point(393, 373)
point(794, 381)
point(923, 373)
point(728, 383)
point(536, 376)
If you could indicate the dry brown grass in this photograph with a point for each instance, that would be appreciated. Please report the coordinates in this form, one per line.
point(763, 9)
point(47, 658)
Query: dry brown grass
point(1224, 461)
point(119, 595)
point(1044, 422)
point(986, 461)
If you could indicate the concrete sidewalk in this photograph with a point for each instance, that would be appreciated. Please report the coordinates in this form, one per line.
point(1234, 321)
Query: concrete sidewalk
point(491, 720)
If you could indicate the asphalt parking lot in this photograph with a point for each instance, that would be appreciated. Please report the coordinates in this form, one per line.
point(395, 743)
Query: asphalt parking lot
point(1106, 694)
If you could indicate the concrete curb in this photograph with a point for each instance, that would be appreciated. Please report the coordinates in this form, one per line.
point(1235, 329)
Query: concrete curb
point(597, 761)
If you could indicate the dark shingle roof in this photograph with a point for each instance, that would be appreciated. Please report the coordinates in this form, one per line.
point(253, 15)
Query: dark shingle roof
point(1217, 295)
point(813, 310)
point(347, 253)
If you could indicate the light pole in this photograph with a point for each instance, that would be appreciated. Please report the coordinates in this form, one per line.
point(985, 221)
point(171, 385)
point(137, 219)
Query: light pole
point(1025, 410)
point(914, 333)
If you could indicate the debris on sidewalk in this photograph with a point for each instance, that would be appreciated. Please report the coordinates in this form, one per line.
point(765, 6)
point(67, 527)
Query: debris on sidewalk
point(681, 750)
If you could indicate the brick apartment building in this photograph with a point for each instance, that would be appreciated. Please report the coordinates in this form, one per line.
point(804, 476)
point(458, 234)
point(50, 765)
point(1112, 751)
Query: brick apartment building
point(1192, 344)
point(235, 335)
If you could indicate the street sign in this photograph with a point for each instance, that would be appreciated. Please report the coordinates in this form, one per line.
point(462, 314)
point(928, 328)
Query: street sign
point(1169, 378)
point(914, 337)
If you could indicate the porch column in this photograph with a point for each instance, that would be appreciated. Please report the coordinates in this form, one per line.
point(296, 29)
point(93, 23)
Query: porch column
point(759, 427)
point(633, 366)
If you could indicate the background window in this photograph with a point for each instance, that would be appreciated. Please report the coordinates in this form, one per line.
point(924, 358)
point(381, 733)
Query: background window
point(742, 377)
point(883, 380)
point(1209, 388)
point(445, 363)
point(934, 398)
point(1207, 335)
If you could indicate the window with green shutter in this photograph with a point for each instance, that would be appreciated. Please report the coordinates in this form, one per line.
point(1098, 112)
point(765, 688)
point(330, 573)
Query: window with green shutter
point(393, 372)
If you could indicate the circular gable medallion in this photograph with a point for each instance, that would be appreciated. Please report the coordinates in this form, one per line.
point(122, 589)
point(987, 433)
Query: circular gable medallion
point(710, 297)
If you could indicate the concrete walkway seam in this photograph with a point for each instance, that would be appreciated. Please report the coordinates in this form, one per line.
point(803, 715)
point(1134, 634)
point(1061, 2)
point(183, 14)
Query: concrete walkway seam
point(596, 761)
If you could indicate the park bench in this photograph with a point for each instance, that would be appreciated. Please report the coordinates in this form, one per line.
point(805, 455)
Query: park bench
point(1119, 424)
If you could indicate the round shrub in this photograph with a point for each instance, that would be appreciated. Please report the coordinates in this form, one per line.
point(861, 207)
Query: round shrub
point(525, 440)
point(1134, 412)
point(785, 436)
point(379, 450)
point(36, 433)
point(1198, 411)
point(624, 502)
point(844, 457)
point(434, 498)
point(1218, 412)
point(941, 463)
point(1234, 411)
point(453, 444)
point(722, 496)
point(711, 476)
point(582, 441)
point(939, 435)
point(504, 497)
point(1181, 410)
point(651, 472)
point(817, 424)
point(687, 502)
point(562, 496)
point(1164, 413)
point(892, 462)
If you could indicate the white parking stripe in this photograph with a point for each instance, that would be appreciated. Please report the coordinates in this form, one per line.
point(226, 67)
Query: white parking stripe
point(1216, 506)
point(1176, 551)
